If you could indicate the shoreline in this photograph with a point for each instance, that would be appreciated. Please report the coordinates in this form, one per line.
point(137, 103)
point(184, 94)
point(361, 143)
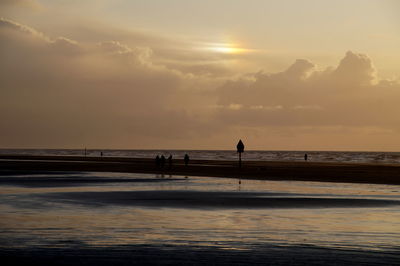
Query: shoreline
point(373, 173)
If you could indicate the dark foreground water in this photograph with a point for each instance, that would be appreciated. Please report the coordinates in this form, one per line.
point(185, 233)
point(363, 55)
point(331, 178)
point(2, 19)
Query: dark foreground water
point(114, 218)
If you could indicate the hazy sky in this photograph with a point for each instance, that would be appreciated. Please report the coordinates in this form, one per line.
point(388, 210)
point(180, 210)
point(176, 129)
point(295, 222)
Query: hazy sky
point(290, 75)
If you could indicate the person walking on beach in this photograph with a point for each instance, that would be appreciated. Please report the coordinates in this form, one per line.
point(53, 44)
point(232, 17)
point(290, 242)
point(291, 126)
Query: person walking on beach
point(170, 161)
point(305, 157)
point(240, 150)
point(186, 159)
point(162, 161)
point(158, 161)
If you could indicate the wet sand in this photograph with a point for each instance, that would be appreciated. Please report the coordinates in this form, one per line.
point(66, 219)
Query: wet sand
point(211, 200)
point(261, 170)
point(194, 255)
point(58, 244)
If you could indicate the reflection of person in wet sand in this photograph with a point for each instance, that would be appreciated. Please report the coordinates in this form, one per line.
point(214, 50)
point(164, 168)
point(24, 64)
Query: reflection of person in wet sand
point(186, 159)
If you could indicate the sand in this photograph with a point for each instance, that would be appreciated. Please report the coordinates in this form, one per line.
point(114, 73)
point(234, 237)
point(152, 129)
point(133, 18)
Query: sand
point(71, 252)
point(195, 255)
point(211, 200)
point(261, 170)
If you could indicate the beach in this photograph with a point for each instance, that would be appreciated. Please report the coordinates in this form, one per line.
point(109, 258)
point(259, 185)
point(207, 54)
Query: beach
point(76, 210)
point(374, 173)
point(199, 132)
point(196, 255)
point(101, 218)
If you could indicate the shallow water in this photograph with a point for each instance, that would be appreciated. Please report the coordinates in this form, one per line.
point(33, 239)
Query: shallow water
point(83, 210)
point(253, 155)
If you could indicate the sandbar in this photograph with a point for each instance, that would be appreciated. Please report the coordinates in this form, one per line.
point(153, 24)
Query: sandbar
point(374, 173)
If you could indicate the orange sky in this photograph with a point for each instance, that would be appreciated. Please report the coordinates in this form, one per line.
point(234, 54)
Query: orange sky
point(320, 75)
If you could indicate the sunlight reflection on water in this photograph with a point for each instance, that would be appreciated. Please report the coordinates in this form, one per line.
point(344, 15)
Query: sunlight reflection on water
point(34, 214)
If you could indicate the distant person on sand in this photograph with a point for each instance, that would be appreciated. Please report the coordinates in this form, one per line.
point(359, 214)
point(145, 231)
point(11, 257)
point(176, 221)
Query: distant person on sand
point(162, 161)
point(101, 154)
point(170, 161)
point(305, 157)
point(186, 159)
point(157, 161)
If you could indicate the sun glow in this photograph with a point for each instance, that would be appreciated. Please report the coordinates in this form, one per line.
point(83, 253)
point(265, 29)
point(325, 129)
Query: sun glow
point(225, 48)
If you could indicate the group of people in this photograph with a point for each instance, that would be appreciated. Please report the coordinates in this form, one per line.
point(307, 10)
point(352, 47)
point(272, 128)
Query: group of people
point(161, 160)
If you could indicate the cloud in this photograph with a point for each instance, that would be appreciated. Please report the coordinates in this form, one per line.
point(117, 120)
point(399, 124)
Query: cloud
point(178, 53)
point(348, 95)
point(63, 92)
point(355, 70)
point(13, 26)
point(19, 3)
point(299, 69)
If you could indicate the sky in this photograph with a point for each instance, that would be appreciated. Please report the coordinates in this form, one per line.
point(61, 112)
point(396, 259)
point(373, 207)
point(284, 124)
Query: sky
point(182, 74)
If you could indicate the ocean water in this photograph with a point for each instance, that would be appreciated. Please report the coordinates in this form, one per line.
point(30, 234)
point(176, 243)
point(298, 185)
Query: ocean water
point(317, 156)
point(198, 220)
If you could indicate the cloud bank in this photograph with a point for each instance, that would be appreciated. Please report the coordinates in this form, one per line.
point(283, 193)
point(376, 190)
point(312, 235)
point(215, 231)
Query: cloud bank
point(348, 95)
point(59, 92)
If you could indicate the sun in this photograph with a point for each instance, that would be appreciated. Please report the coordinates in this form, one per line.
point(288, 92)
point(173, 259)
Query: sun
point(225, 48)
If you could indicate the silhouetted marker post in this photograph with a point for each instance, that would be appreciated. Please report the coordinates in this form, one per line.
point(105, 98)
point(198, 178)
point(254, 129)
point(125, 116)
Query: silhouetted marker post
point(240, 149)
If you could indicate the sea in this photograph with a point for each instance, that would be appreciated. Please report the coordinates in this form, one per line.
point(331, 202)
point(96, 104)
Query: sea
point(101, 218)
point(252, 155)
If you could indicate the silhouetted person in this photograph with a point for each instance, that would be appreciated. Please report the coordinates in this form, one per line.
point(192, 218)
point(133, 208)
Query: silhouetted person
point(162, 161)
point(305, 157)
point(186, 159)
point(101, 154)
point(240, 150)
point(157, 161)
point(170, 161)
